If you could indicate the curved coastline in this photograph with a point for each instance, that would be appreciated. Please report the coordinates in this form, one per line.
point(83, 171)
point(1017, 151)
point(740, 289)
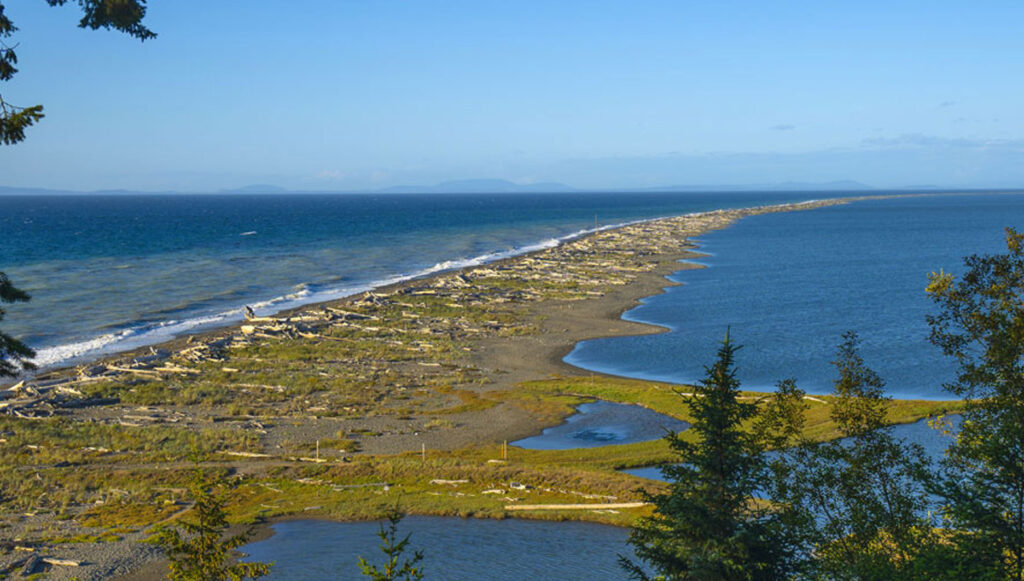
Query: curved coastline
point(139, 336)
point(528, 345)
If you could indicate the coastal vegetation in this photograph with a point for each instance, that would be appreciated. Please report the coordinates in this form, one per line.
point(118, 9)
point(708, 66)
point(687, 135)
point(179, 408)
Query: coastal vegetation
point(980, 325)
point(336, 411)
point(198, 548)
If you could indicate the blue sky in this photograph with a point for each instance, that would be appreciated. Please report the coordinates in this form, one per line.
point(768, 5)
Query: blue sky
point(343, 95)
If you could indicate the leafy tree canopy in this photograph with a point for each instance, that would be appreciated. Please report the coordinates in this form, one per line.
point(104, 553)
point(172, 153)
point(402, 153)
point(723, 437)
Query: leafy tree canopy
point(981, 325)
point(122, 15)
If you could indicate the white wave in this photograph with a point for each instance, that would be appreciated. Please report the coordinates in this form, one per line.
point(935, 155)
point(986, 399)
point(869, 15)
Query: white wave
point(133, 338)
point(53, 355)
point(127, 339)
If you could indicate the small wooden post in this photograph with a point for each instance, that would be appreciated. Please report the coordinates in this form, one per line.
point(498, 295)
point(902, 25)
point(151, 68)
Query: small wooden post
point(504, 450)
point(318, 449)
point(423, 452)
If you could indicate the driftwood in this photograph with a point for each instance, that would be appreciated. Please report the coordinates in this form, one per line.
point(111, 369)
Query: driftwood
point(61, 562)
point(589, 506)
point(142, 372)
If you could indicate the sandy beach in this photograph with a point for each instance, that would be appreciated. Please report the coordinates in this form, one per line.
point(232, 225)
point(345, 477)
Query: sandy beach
point(430, 365)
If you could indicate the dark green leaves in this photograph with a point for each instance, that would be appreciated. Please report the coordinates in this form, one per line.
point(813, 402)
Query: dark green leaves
point(14, 121)
point(708, 525)
point(122, 15)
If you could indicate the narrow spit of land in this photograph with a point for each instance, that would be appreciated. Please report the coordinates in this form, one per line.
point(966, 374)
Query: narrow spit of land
point(338, 410)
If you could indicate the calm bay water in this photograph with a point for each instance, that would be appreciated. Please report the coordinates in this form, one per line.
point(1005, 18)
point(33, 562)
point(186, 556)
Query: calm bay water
point(110, 273)
point(788, 285)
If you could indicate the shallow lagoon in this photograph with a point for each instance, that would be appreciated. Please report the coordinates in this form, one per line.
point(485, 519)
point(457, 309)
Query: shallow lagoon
point(602, 423)
point(455, 549)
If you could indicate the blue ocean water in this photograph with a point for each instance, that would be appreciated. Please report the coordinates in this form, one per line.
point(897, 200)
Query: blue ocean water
point(788, 285)
point(110, 273)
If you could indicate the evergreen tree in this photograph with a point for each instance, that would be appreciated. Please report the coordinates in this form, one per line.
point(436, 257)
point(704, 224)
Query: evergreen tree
point(981, 325)
point(197, 549)
point(13, 353)
point(395, 569)
point(708, 525)
point(859, 504)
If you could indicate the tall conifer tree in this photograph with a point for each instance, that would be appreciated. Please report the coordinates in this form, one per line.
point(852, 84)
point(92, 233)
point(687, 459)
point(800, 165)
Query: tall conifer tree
point(13, 353)
point(708, 525)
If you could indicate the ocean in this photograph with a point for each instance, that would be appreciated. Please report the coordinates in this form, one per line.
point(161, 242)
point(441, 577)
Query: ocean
point(110, 273)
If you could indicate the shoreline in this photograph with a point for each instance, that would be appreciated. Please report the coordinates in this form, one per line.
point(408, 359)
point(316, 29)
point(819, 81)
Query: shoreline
point(234, 316)
point(395, 281)
point(505, 360)
point(403, 280)
point(444, 375)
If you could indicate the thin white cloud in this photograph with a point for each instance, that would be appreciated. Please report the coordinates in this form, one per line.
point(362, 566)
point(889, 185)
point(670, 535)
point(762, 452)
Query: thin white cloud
point(918, 140)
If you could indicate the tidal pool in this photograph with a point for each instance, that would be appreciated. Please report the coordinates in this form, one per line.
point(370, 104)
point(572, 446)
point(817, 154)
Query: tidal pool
point(602, 423)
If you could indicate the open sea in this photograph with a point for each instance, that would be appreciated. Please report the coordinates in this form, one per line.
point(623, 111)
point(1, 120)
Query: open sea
point(110, 273)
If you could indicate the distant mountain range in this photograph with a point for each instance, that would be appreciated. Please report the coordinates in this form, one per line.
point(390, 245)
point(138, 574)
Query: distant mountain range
point(836, 186)
point(496, 186)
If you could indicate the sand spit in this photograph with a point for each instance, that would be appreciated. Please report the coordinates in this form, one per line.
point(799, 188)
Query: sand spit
point(416, 366)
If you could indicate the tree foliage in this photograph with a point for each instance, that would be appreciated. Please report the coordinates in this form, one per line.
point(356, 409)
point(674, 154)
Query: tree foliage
point(197, 548)
point(14, 354)
point(859, 504)
point(981, 325)
point(394, 568)
point(123, 15)
point(708, 526)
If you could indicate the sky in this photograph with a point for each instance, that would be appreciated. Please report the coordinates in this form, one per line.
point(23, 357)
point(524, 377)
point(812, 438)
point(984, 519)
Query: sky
point(340, 95)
